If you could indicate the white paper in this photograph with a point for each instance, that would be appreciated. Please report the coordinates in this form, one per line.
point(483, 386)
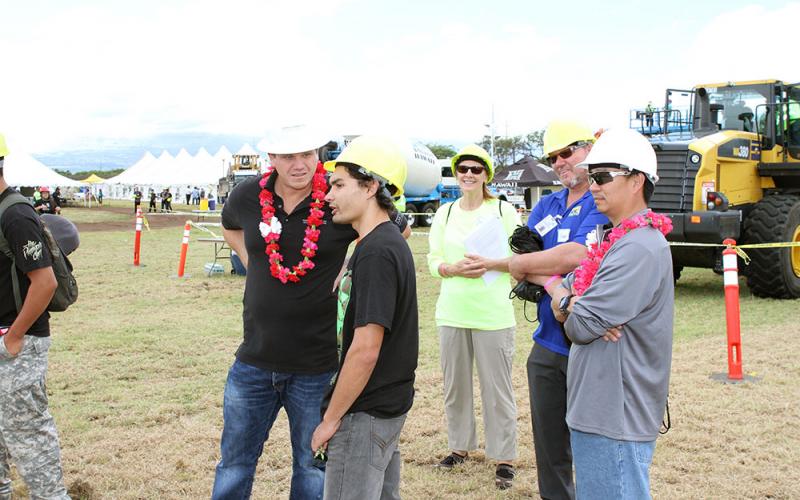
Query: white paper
point(488, 240)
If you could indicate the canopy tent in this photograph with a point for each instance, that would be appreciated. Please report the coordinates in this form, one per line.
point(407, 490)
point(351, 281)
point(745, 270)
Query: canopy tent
point(94, 179)
point(526, 172)
point(179, 171)
point(22, 169)
point(223, 157)
point(209, 168)
point(247, 150)
point(132, 173)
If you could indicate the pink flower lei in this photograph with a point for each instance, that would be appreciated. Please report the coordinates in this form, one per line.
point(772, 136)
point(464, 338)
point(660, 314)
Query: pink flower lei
point(271, 228)
point(584, 275)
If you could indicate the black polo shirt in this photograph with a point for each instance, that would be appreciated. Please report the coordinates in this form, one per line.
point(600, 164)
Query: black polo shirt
point(287, 327)
point(23, 231)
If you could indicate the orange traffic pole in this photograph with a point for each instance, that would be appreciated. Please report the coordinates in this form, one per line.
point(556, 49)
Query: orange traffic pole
point(137, 242)
point(731, 280)
point(184, 248)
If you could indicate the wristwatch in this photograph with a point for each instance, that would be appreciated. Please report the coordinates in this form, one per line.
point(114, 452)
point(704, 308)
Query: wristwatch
point(563, 304)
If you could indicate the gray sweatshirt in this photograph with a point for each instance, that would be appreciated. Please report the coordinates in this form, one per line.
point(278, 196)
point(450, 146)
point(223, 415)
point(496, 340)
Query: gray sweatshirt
point(619, 389)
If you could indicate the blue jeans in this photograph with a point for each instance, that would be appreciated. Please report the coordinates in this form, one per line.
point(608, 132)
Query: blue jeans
point(253, 398)
point(611, 468)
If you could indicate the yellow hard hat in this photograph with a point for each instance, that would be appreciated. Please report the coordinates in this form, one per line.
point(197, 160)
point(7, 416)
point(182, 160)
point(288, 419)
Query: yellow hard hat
point(378, 156)
point(3, 147)
point(477, 153)
point(562, 133)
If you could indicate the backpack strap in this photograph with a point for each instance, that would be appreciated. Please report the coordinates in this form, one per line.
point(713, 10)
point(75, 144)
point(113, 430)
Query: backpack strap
point(449, 209)
point(12, 198)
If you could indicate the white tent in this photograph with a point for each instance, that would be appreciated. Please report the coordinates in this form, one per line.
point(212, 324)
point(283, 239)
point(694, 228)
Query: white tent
point(247, 150)
point(223, 157)
point(22, 169)
point(208, 168)
point(133, 171)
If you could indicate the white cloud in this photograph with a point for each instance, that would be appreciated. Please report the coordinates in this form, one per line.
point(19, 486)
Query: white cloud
point(243, 66)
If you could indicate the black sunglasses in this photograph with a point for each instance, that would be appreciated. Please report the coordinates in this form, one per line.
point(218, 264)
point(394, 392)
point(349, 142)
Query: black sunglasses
point(565, 153)
point(601, 178)
point(476, 170)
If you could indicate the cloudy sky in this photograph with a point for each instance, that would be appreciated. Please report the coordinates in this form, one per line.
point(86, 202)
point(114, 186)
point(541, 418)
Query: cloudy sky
point(78, 73)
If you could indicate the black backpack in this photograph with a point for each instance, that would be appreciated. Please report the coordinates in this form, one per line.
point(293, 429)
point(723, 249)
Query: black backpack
point(67, 290)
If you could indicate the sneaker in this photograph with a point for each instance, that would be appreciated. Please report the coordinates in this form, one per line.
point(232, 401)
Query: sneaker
point(451, 461)
point(504, 476)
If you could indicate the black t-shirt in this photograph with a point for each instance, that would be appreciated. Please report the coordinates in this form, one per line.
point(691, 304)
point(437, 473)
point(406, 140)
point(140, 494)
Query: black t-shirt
point(383, 291)
point(23, 231)
point(137, 197)
point(49, 204)
point(287, 327)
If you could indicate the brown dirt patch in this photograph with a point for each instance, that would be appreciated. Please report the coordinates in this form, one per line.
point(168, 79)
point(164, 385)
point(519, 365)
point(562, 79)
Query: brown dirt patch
point(155, 220)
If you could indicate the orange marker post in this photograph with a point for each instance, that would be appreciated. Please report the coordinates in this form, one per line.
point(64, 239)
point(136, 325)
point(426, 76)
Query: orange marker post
point(731, 280)
point(137, 242)
point(184, 248)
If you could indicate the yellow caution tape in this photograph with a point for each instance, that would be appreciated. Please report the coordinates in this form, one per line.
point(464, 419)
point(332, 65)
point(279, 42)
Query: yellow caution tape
point(739, 248)
point(146, 224)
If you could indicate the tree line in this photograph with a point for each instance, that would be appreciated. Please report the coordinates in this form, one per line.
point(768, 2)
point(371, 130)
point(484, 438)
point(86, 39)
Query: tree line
point(79, 176)
point(507, 150)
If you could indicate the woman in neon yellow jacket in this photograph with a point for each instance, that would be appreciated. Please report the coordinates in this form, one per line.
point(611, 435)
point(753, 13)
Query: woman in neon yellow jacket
point(474, 315)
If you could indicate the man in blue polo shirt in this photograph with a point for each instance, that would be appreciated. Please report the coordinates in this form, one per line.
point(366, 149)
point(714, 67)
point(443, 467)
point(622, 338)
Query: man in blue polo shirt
point(563, 220)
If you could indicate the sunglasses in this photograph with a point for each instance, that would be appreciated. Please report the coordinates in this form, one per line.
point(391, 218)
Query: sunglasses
point(565, 153)
point(463, 169)
point(601, 178)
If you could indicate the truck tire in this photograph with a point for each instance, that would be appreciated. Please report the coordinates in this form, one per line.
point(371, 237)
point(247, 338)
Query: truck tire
point(412, 219)
point(774, 272)
point(429, 210)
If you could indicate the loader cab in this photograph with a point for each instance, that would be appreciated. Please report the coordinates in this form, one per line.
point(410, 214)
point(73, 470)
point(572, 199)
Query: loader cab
point(731, 107)
point(791, 115)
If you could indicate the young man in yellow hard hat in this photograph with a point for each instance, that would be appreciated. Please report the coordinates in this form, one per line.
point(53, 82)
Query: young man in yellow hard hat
point(365, 410)
point(28, 435)
point(618, 311)
point(562, 220)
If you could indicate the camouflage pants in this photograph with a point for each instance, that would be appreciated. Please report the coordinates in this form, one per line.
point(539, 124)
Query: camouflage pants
point(28, 434)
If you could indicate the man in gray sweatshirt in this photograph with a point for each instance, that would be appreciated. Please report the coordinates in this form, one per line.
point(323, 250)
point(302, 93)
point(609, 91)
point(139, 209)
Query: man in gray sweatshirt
point(620, 327)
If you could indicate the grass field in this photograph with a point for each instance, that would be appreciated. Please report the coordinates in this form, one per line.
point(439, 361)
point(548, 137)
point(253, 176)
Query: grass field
point(138, 367)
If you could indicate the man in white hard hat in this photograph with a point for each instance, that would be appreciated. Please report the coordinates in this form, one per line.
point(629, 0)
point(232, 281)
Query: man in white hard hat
point(619, 317)
point(562, 220)
point(28, 435)
point(282, 229)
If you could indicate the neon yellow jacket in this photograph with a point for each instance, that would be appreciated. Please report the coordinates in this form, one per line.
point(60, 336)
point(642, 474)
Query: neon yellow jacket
point(468, 302)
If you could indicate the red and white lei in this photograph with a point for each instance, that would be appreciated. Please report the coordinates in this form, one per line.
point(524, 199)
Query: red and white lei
point(584, 275)
point(271, 228)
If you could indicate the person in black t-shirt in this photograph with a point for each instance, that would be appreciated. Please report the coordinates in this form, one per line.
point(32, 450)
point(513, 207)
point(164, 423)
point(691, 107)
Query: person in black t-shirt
point(374, 387)
point(152, 207)
point(28, 433)
point(167, 200)
point(46, 204)
point(137, 199)
point(289, 352)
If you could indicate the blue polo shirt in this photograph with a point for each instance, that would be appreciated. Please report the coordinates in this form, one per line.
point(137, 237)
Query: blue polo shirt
point(558, 223)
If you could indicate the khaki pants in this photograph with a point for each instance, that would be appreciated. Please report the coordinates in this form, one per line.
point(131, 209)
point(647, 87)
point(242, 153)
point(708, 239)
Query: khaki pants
point(493, 352)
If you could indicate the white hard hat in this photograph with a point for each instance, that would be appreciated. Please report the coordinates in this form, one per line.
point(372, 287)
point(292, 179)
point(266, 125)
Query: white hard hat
point(294, 139)
point(625, 147)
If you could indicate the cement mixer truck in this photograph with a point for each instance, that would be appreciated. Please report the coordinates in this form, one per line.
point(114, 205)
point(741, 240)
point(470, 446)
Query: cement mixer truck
point(424, 188)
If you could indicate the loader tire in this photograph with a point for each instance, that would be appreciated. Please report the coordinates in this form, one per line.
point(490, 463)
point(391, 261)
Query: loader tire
point(774, 272)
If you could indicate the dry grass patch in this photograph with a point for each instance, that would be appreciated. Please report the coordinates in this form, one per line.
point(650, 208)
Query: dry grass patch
point(138, 367)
